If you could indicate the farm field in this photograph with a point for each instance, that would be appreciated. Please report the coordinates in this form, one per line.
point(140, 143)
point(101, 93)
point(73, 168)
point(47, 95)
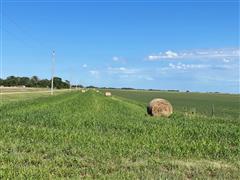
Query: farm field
point(225, 105)
point(88, 135)
point(21, 89)
point(8, 95)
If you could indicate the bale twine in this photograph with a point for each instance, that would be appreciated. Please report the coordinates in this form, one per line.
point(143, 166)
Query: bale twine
point(108, 94)
point(160, 107)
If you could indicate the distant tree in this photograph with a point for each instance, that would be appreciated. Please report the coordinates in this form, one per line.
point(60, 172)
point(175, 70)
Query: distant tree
point(11, 81)
point(78, 85)
point(91, 87)
point(34, 81)
point(68, 82)
point(24, 81)
point(44, 83)
point(1, 82)
point(58, 83)
point(173, 90)
point(127, 88)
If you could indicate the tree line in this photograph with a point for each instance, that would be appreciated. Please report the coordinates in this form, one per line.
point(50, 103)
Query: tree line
point(34, 82)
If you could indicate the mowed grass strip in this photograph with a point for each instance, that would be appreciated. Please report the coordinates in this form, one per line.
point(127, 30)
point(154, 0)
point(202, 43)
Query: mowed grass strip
point(75, 135)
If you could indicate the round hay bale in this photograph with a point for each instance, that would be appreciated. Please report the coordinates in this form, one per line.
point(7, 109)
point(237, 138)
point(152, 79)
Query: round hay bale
point(83, 90)
point(160, 107)
point(108, 94)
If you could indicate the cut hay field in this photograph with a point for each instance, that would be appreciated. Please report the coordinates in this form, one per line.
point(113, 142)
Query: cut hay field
point(87, 135)
point(13, 94)
point(225, 105)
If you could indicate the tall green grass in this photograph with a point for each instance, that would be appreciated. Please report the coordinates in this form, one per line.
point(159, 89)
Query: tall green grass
point(76, 135)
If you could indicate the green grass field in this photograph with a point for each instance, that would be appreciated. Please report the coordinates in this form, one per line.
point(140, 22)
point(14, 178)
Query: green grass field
point(225, 105)
point(87, 135)
point(9, 95)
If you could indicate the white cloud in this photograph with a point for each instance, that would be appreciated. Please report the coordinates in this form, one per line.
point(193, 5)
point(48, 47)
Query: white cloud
point(166, 55)
point(223, 67)
point(115, 58)
point(84, 65)
point(131, 74)
point(94, 72)
point(143, 77)
point(181, 66)
point(148, 78)
point(153, 57)
point(122, 70)
point(222, 79)
point(226, 60)
point(171, 54)
point(119, 59)
point(196, 54)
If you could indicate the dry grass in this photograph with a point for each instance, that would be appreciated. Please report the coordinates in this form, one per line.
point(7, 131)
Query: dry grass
point(160, 107)
point(108, 94)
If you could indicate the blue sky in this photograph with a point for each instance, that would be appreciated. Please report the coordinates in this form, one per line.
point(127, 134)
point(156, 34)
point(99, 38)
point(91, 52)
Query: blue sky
point(162, 45)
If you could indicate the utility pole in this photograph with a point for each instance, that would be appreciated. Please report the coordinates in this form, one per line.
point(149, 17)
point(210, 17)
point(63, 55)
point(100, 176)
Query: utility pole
point(70, 85)
point(53, 64)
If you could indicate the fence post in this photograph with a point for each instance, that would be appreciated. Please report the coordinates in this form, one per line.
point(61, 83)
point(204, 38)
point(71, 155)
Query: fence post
point(193, 111)
point(213, 110)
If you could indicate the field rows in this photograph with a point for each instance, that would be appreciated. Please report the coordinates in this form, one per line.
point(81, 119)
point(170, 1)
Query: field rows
point(225, 105)
point(88, 135)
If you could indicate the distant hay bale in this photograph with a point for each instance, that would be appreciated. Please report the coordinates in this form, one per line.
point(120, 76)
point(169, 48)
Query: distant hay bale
point(83, 90)
point(160, 107)
point(108, 94)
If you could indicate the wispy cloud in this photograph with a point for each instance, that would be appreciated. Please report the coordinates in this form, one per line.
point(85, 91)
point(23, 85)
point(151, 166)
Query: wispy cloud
point(115, 58)
point(196, 67)
point(119, 59)
point(225, 60)
point(146, 77)
point(130, 74)
point(221, 79)
point(182, 66)
point(94, 73)
point(122, 70)
point(196, 54)
point(166, 55)
point(84, 66)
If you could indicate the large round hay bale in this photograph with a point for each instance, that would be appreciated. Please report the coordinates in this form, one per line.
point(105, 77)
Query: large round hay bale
point(108, 94)
point(160, 107)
